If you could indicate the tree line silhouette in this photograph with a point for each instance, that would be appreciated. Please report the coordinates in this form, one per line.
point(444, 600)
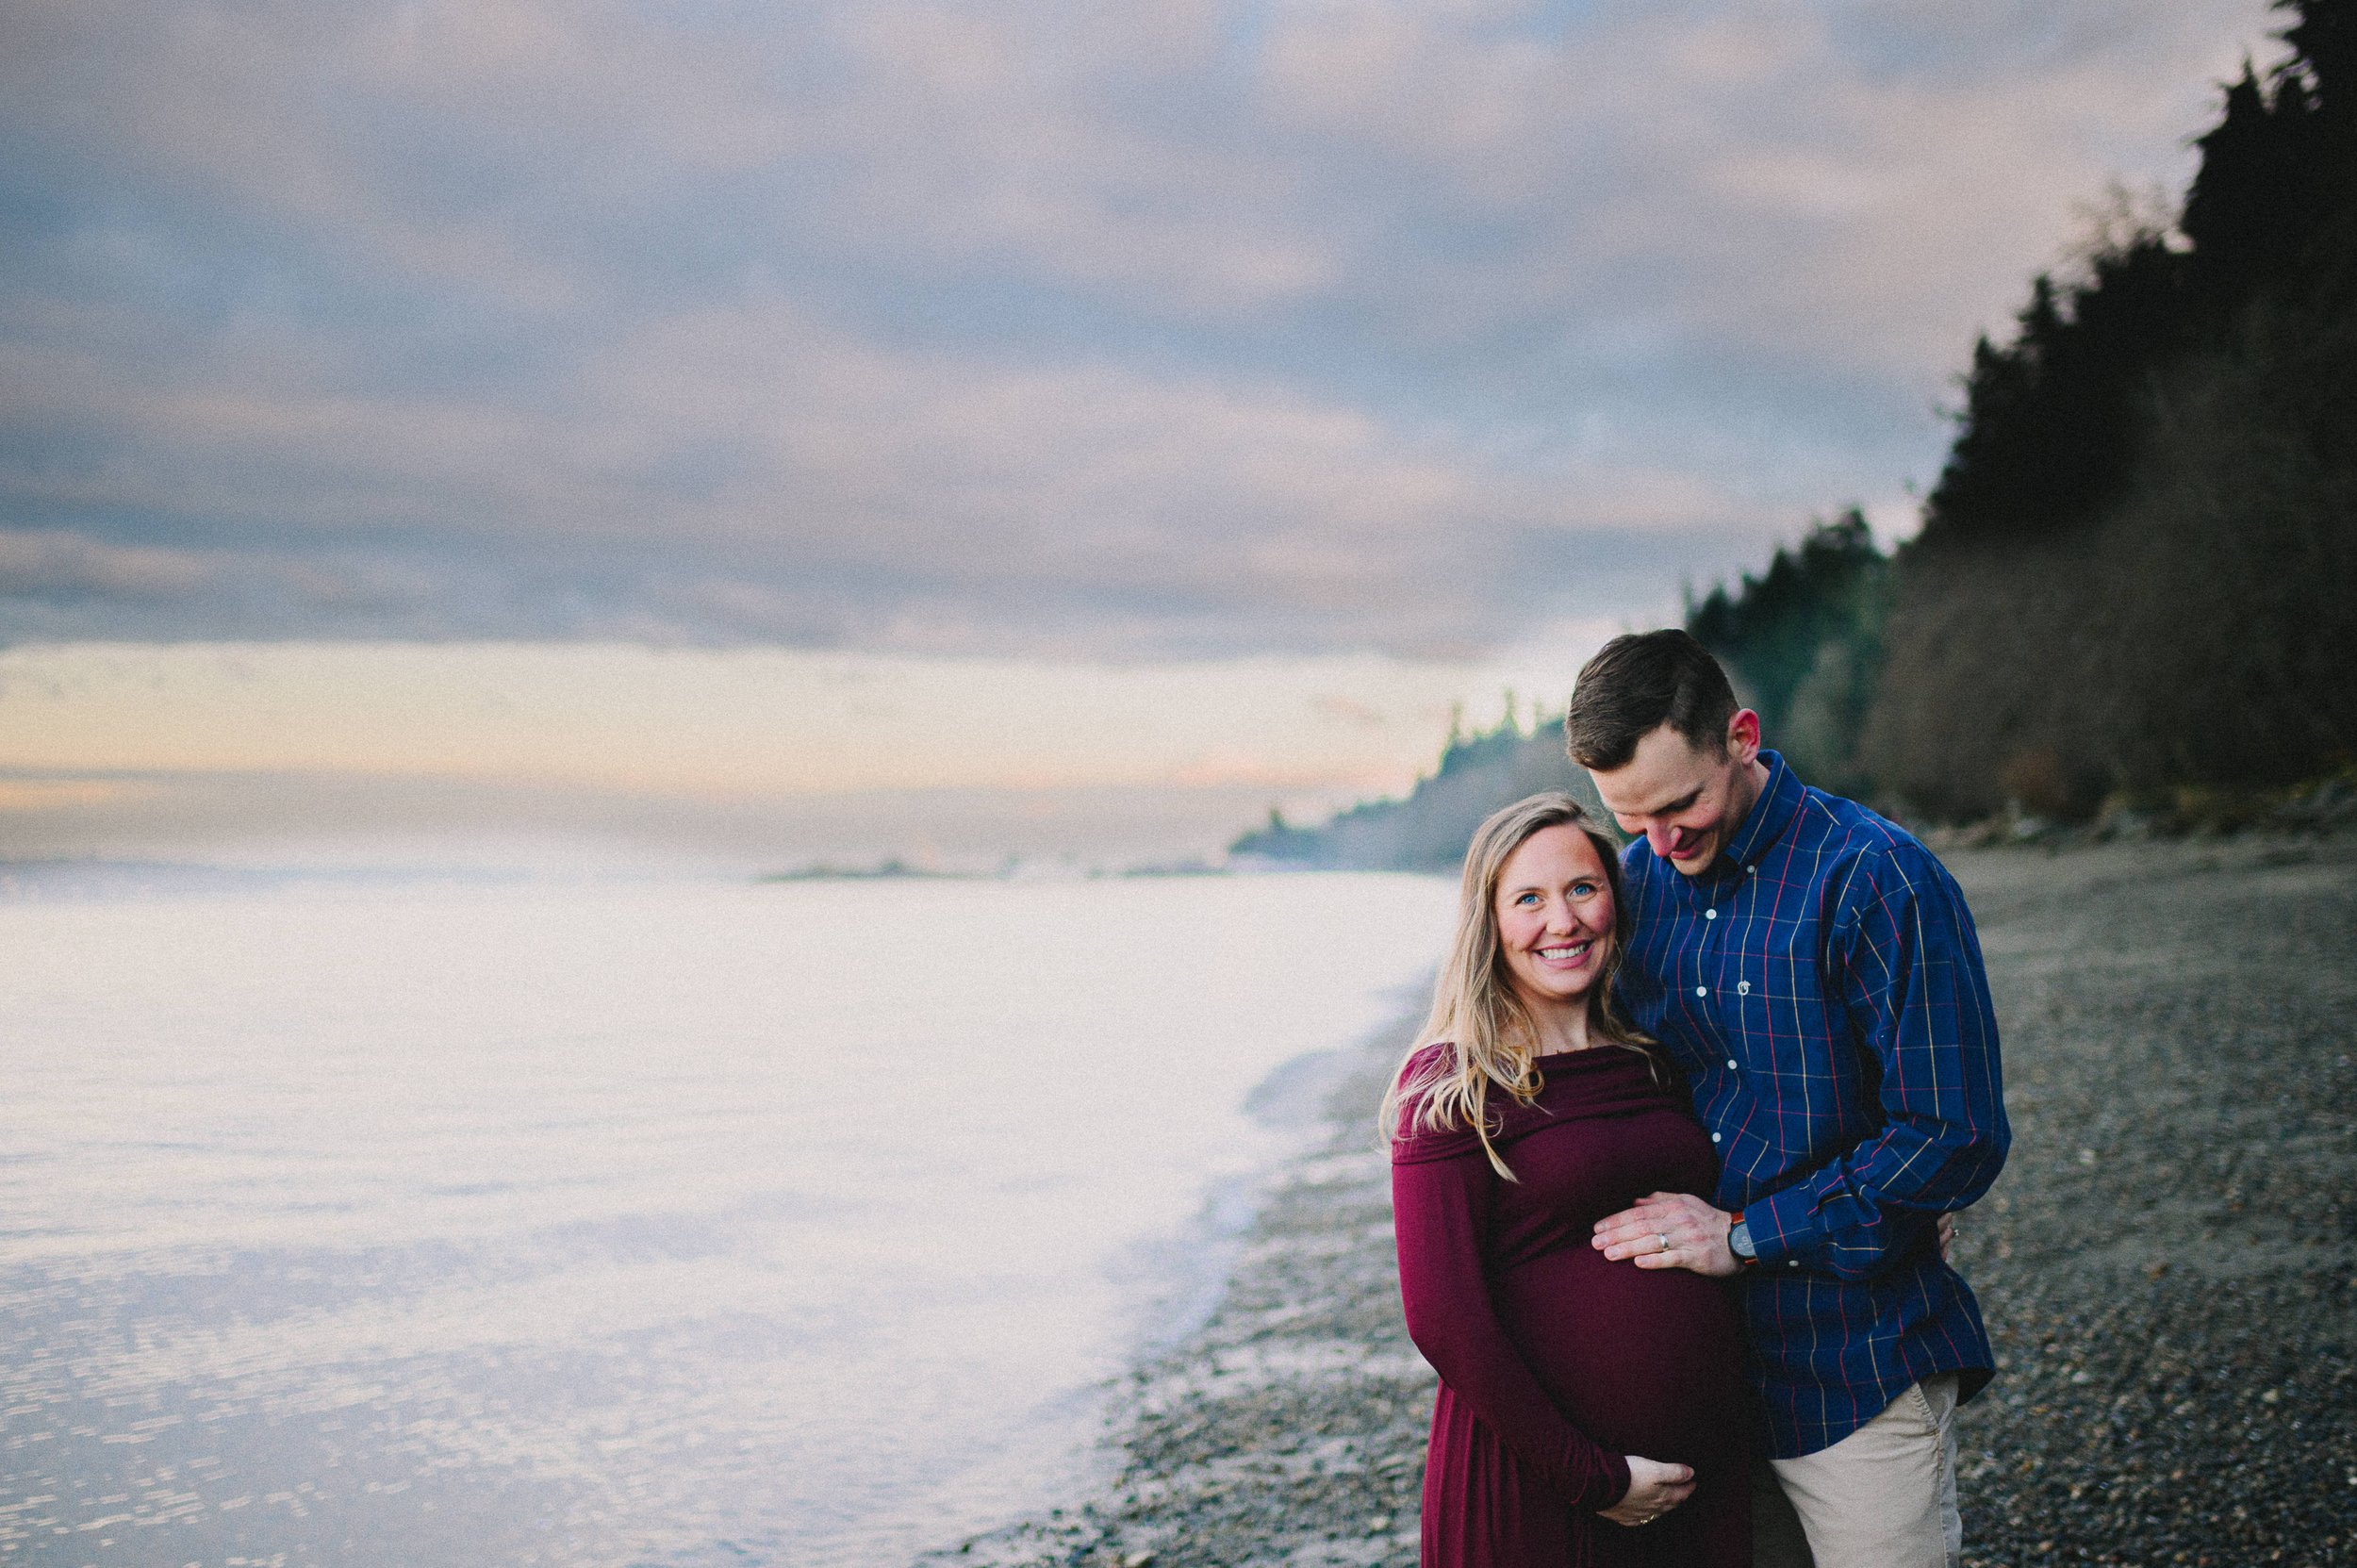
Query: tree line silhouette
point(2137, 573)
point(1428, 830)
point(2136, 577)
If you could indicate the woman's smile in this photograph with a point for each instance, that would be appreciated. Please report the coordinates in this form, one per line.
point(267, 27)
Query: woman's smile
point(1554, 917)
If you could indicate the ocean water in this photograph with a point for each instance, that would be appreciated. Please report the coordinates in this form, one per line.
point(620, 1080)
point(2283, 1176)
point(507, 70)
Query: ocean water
point(625, 1223)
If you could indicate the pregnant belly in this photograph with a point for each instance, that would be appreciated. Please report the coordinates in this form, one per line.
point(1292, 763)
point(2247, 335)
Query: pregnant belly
point(1644, 1360)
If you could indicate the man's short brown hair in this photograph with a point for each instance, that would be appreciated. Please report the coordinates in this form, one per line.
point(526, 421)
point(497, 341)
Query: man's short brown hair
point(1639, 681)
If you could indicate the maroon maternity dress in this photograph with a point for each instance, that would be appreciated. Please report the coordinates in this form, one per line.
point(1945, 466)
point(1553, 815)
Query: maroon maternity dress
point(1556, 1364)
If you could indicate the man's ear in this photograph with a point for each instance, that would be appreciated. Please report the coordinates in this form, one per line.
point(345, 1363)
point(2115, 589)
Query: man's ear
point(1743, 737)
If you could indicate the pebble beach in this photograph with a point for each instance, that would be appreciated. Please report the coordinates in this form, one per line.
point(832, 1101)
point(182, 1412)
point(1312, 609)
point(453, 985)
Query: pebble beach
point(2167, 1266)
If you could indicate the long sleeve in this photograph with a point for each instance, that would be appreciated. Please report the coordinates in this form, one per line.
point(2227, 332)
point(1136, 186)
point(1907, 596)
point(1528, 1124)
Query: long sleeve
point(1907, 965)
point(1439, 1208)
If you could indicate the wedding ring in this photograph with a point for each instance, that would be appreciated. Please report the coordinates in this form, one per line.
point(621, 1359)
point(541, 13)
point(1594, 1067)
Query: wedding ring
point(1663, 1240)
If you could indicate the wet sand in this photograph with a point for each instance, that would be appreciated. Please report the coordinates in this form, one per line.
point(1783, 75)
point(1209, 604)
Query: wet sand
point(2169, 1265)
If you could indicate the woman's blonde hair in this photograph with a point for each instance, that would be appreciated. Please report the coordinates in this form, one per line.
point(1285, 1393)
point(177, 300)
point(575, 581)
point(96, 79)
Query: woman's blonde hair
point(1474, 1012)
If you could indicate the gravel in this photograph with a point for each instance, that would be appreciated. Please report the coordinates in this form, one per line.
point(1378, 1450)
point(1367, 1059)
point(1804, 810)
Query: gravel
point(2169, 1265)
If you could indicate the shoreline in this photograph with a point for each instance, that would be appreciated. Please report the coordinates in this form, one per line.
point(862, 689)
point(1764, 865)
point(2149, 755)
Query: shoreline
point(1289, 1425)
point(2167, 1266)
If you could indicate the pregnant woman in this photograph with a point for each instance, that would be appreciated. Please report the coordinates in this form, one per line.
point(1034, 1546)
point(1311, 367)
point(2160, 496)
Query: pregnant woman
point(1591, 1411)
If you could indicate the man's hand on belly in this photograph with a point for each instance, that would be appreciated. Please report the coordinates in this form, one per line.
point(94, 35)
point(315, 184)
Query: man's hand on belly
point(1670, 1230)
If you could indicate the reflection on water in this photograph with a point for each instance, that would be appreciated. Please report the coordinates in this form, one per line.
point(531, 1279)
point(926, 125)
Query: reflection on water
point(620, 1224)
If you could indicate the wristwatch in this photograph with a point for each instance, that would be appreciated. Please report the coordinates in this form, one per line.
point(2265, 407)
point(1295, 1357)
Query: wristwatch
point(1739, 1241)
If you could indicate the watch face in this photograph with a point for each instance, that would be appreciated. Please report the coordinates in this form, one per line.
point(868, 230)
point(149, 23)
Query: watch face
point(1740, 1241)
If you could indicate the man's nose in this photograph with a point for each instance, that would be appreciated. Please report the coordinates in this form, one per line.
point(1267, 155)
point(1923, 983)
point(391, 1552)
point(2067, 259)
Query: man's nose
point(1659, 838)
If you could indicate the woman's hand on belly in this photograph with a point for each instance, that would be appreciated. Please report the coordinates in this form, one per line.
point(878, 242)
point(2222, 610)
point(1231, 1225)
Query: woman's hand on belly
point(1654, 1490)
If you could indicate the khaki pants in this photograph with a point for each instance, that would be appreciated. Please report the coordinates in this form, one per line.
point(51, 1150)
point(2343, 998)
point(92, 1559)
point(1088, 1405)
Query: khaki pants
point(1883, 1497)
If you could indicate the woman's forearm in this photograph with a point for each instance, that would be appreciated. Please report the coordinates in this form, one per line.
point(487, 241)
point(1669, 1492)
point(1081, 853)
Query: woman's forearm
point(1438, 1209)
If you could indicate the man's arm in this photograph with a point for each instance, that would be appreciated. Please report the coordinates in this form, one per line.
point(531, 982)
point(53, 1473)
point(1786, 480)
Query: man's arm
point(1906, 963)
point(1903, 959)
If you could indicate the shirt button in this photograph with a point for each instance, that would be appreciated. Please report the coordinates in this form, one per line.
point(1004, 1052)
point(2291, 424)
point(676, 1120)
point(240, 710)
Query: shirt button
point(1730, 1064)
point(1751, 870)
point(1714, 1137)
point(1701, 990)
point(1710, 915)
point(1792, 1262)
point(1742, 987)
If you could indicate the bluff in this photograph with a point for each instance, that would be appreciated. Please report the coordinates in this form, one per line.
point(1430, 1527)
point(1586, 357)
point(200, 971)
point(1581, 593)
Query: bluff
point(2136, 577)
point(1429, 829)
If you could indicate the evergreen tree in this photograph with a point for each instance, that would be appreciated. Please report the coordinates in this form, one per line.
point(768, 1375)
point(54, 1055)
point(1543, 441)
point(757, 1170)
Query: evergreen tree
point(1803, 641)
point(2133, 572)
point(2251, 209)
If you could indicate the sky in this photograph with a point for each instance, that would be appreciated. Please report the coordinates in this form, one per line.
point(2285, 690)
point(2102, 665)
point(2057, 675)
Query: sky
point(746, 758)
point(1217, 359)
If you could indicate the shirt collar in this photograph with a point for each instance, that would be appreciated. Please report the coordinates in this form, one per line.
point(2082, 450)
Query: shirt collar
point(1778, 804)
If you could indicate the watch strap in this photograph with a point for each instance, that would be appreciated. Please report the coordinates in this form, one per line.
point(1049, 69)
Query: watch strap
point(1740, 1241)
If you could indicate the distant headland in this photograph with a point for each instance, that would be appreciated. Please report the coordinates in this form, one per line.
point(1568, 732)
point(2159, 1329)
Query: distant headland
point(1428, 831)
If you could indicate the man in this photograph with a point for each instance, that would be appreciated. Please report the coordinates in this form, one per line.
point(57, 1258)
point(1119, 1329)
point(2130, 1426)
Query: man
point(1814, 970)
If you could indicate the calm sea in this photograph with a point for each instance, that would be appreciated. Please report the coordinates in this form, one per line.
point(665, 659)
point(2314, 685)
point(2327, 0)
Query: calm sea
point(662, 1223)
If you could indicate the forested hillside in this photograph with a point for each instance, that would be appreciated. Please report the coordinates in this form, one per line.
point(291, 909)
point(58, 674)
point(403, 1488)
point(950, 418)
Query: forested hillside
point(1429, 830)
point(1803, 640)
point(2137, 577)
point(2137, 573)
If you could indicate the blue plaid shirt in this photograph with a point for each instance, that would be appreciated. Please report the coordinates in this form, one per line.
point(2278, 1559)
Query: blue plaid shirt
point(1822, 985)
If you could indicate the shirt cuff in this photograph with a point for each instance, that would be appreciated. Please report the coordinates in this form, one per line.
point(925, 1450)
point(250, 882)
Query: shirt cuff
point(1784, 1226)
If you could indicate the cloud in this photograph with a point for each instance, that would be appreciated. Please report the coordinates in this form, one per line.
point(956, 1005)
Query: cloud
point(60, 566)
point(1186, 329)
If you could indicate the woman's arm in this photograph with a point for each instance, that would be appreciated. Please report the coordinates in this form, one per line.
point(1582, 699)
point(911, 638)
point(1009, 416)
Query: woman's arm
point(1440, 1209)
